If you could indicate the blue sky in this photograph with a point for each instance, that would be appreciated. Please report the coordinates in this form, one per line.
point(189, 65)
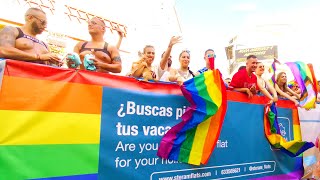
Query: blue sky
point(211, 24)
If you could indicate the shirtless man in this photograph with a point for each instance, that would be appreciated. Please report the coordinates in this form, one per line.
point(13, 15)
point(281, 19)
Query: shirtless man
point(106, 57)
point(22, 44)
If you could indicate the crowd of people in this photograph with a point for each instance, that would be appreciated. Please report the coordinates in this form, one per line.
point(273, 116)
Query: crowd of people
point(22, 44)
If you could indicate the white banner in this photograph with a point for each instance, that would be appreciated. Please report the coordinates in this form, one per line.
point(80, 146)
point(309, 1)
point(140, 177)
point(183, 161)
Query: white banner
point(310, 129)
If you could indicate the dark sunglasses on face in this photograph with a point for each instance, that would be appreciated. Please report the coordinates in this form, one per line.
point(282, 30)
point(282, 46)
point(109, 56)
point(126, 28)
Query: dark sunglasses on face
point(42, 22)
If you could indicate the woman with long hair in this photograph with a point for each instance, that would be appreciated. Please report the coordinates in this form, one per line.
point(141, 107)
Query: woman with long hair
point(283, 90)
point(183, 73)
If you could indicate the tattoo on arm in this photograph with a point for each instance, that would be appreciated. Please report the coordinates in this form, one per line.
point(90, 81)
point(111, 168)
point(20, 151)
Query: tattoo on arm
point(116, 59)
point(7, 37)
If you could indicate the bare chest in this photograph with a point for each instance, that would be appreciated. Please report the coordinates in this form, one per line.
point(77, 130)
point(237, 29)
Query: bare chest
point(28, 45)
point(99, 55)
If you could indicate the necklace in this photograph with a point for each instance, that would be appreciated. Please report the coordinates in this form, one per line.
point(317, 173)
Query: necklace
point(184, 74)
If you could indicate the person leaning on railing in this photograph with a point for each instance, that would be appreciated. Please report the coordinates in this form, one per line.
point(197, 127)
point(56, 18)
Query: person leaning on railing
point(22, 43)
point(283, 90)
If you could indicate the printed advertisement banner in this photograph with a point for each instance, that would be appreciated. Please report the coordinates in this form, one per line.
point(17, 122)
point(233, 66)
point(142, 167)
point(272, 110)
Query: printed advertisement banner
point(68, 124)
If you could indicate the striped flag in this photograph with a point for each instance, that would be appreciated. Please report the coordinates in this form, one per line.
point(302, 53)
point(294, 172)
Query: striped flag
point(193, 140)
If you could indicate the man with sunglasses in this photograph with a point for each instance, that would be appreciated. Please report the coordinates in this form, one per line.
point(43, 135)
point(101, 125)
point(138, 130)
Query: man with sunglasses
point(22, 43)
point(104, 57)
point(208, 53)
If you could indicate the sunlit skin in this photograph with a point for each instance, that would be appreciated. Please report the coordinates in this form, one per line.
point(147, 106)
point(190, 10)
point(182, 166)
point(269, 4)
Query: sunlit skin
point(25, 48)
point(149, 55)
point(39, 22)
point(283, 89)
point(262, 84)
point(211, 53)
point(184, 60)
point(251, 65)
point(95, 26)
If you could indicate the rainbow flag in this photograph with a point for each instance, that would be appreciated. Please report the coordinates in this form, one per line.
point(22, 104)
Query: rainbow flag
point(50, 120)
point(314, 79)
point(272, 131)
point(305, 79)
point(193, 140)
point(272, 70)
point(44, 132)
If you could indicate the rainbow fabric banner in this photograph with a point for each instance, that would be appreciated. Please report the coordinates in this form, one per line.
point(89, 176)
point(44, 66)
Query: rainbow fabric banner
point(272, 131)
point(272, 70)
point(305, 79)
point(50, 120)
point(192, 140)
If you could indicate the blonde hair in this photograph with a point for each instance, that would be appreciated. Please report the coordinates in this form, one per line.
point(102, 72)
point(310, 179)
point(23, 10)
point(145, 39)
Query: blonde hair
point(147, 46)
point(283, 87)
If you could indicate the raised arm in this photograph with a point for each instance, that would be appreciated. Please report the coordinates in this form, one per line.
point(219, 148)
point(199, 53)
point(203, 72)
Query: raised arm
point(121, 34)
point(164, 61)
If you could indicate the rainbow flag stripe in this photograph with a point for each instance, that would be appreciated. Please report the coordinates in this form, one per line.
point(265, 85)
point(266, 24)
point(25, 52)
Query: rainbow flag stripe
point(193, 140)
point(272, 70)
point(50, 120)
point(271, 129)
point(305, 79)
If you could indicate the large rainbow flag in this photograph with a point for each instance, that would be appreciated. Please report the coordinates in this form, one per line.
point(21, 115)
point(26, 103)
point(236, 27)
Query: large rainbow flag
point(272, 131)
point(193, 140)
point(305, 79)
point(50, 120)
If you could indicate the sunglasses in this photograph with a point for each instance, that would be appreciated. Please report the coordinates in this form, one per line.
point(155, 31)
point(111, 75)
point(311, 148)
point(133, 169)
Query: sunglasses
point(94, 23)
point(42, 22)
point(211, 55)
point(187, 51)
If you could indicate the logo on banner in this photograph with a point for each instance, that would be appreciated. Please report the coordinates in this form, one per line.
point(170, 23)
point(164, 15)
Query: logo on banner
point(285, 131)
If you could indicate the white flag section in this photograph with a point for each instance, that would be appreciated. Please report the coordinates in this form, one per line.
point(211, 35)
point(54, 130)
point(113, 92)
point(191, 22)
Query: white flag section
point(310, 129)
point(2, 66)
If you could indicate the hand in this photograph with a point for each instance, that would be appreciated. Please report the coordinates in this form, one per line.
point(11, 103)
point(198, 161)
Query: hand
point(248, 91)
point(69, 61)
point(120, 32)
point(275, 99)
point(144, 64)
point(270, 102)
point(296, 103)
point(316, 169)
point(51, 58)
point(97, 63)
point(172, 78)
point(174, 40)
point(253, 89)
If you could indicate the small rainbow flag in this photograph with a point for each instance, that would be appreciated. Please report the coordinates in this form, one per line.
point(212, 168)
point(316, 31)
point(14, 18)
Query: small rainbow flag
point(193, 140)
point(272, 70)
point(272, 131)
point(305, 79)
